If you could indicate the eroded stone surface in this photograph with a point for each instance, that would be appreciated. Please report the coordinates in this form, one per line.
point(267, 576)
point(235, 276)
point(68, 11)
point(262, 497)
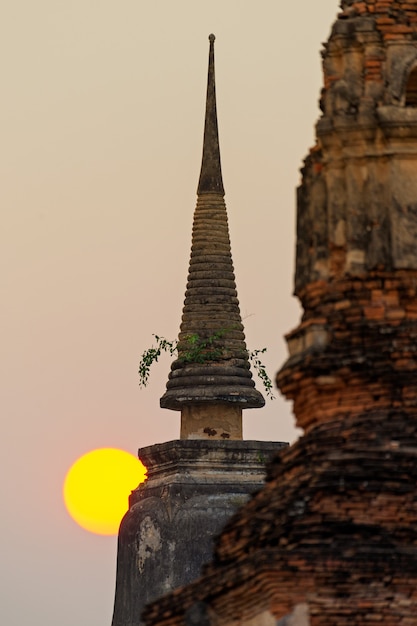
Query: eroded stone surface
point(149, 541)
point(211, 421)
point(193, 488)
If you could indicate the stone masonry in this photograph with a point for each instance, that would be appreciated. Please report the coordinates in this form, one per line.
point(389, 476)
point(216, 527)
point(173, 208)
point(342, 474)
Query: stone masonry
point(332, 537)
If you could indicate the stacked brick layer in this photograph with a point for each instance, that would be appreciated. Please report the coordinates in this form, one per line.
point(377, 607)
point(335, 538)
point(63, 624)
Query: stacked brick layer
point(394, 19)
point(358, 348)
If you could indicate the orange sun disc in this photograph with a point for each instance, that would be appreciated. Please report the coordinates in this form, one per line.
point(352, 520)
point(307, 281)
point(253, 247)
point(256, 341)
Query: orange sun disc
point(97, 488)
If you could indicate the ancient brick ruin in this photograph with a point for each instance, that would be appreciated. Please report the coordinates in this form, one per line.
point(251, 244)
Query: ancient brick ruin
point(332, 537)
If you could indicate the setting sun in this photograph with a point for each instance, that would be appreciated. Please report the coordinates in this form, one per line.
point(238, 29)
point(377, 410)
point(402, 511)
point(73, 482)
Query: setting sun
point(97, 487)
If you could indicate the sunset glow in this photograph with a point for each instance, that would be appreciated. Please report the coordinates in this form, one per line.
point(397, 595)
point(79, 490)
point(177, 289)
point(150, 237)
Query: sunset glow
point(97, 487)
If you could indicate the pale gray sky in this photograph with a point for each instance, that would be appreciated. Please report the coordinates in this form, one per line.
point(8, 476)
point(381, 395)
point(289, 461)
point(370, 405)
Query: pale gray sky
point(101, 131)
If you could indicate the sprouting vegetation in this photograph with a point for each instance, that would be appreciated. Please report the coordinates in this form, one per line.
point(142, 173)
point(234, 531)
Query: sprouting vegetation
point(196, 349)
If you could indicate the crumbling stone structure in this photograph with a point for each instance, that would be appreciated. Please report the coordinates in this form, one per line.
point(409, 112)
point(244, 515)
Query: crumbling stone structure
point(332, 537)
point(196, 483)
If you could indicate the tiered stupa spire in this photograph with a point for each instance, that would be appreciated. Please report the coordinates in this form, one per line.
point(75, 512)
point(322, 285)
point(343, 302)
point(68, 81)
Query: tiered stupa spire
point(210, 382)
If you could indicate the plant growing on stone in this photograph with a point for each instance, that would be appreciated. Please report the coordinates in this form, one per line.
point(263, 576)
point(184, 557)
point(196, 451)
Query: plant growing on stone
point(260, 369)
point(195, 349)
point(151, 355)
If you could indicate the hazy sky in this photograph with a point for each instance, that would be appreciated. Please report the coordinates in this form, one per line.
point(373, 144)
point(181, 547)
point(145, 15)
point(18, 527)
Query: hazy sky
point(101, 131)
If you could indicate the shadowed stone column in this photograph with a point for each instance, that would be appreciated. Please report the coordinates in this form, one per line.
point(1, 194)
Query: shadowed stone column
point(193, 488)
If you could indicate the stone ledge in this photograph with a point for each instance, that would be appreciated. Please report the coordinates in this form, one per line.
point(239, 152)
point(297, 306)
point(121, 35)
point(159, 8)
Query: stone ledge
point(206, 462)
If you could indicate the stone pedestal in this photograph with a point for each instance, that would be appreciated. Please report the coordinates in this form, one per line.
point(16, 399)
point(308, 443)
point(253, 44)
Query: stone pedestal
point(193, 488)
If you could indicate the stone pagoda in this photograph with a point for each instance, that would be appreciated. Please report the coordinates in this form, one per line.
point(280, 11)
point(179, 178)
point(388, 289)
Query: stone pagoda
point(332, 537)
point(211, 382)
point(195, 483)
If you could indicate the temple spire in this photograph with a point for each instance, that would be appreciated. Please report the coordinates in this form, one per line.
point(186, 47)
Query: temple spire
point(210, 382)
point(211, 171)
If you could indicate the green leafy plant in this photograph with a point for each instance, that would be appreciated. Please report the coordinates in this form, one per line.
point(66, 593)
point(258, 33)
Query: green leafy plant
point(195, 349)
point(151, 356)
point(260, 369)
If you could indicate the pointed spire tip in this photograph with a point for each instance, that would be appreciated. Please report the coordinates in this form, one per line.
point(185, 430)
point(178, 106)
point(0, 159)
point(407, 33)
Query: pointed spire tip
point(211, 172)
